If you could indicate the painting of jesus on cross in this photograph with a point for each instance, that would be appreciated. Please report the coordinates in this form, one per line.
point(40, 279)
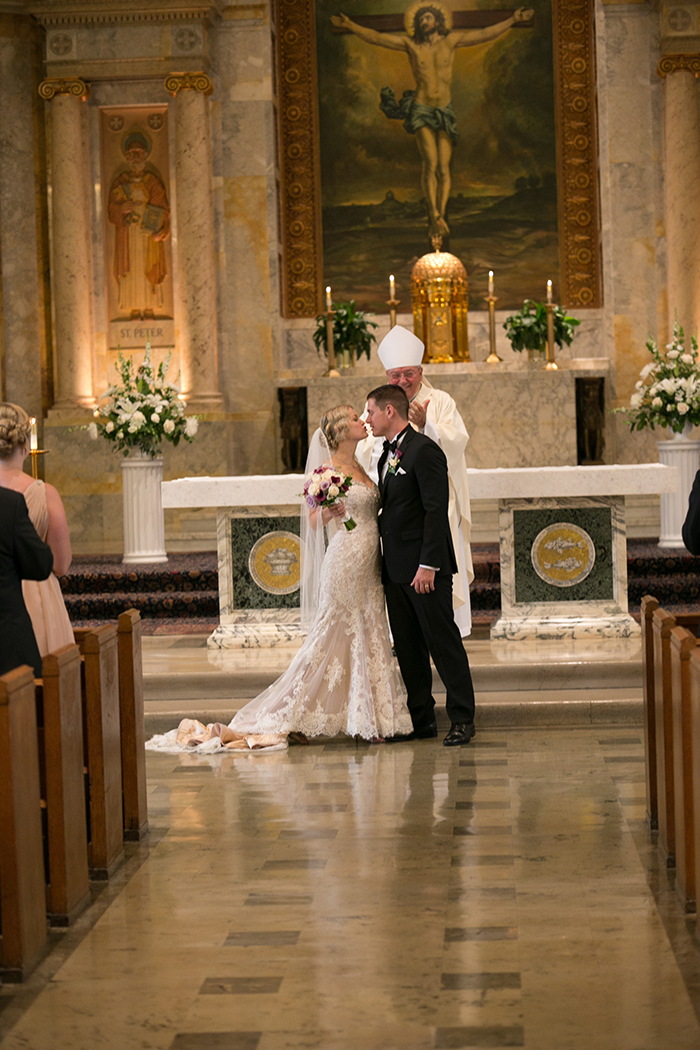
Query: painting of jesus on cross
point(474, 90)
point(430, 43)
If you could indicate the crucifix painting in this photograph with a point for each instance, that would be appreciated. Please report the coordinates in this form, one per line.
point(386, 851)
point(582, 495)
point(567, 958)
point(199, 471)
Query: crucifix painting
point(436, 125)
point(430, 43)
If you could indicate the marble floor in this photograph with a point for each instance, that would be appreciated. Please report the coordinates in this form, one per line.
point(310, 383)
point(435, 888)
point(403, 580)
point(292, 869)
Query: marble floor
point(354, 897)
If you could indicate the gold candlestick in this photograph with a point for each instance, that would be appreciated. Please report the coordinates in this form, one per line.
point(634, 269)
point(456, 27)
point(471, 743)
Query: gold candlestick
point(493, 357)
point(35, 453)
point(392, 304)
point(551, 365)
point(332, 370)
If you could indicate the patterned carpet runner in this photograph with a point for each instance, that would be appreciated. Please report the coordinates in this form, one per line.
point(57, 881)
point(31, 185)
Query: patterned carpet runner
point(182, 596)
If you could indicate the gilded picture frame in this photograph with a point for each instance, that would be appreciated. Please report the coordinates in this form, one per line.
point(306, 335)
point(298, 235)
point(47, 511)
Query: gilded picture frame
point(294, 32)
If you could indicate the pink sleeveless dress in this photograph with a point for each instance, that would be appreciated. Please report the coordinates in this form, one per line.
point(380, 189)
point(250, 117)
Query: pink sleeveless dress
point(43, 598)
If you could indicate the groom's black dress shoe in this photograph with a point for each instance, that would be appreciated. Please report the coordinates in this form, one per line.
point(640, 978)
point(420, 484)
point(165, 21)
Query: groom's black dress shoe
point(426, 733)
point(460, 733)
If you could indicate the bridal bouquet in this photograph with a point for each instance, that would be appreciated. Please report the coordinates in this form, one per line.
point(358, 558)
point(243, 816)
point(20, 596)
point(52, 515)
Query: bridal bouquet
point(144, 409)
point(324, 487)
point(667, 393)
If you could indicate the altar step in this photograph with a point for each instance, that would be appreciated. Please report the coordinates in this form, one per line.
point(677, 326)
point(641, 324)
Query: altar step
point(598, 682)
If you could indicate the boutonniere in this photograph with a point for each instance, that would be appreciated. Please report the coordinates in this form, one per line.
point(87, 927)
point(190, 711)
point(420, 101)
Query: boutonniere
point(393, 462)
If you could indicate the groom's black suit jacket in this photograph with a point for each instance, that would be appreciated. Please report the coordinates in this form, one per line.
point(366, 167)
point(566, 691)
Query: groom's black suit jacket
point(413, 523)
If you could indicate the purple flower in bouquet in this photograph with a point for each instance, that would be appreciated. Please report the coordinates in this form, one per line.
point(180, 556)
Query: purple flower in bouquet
point(325, 487)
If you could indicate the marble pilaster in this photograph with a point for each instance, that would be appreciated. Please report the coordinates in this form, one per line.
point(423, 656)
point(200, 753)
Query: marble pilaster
point(71, 262)
point(195, 224)
point(21, 293)
point(682, 187)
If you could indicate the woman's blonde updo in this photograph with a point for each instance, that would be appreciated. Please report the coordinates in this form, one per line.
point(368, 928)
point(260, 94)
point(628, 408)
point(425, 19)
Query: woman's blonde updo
point(15, 429)
point(334, 425)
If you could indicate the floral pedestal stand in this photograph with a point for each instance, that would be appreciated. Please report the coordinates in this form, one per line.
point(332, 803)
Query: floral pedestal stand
point(144, 528)
point(683, 454)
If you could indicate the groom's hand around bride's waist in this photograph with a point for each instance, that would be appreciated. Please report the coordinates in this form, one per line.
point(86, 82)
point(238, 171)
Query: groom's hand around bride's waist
point(423, 581)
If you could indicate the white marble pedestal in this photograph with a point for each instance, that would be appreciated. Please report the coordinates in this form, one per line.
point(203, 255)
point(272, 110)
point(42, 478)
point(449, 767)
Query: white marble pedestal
point(585, 597)
point(563, 547)
point(259, 555)
point(144, 529)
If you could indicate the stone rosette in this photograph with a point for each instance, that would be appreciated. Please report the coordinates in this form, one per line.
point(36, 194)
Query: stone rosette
point(275, 562)
point(563, 554)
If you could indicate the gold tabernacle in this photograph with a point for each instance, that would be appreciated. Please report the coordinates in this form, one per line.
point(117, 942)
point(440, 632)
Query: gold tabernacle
point(439, 298)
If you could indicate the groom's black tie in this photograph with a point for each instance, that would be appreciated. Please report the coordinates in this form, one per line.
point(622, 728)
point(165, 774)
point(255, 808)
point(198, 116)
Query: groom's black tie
point(390, 446)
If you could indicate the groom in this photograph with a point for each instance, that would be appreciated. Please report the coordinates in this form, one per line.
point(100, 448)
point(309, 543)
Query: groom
point(417, 568)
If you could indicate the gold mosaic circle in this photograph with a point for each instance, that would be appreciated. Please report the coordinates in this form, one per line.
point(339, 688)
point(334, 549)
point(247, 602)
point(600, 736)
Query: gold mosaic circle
point(563, 554)
point(274, 562)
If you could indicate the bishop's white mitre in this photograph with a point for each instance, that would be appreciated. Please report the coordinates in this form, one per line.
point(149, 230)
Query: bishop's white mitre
point(400, 349)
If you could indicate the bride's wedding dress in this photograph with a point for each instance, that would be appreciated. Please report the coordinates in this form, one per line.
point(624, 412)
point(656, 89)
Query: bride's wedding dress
point(343, 678)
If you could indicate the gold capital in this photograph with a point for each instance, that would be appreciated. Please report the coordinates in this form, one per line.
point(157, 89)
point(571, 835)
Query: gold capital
point(688, 62)
point(58, 86)
point(175, 82)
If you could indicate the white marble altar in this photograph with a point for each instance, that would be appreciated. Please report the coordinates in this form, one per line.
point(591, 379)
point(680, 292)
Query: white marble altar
point(571, 491)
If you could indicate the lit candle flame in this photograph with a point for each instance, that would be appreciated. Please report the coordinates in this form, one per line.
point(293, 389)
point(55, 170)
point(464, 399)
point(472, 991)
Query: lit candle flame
point(33, 439)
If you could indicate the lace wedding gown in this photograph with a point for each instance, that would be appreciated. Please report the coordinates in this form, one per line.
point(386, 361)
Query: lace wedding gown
point(343, 678)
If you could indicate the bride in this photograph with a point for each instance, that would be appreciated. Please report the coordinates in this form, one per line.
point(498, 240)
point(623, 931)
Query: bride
point(343, 678)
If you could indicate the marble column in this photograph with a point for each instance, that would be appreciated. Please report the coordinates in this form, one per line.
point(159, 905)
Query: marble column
point(195, 241)
point(71, 264)
point(682, 188)
point(22, 303)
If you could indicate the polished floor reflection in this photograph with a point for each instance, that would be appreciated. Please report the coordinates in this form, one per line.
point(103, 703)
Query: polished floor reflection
point(343, 897)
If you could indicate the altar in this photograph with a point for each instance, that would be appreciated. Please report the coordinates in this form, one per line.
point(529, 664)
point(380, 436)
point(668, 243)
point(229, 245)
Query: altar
point(562, 549)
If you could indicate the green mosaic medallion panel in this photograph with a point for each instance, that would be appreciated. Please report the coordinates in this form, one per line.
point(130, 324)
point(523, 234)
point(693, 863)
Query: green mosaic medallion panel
point(598, 585)
point(244, 533)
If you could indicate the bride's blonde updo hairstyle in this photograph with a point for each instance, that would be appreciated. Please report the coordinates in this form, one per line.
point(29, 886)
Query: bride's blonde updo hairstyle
point(334, 425)
point(15, 428)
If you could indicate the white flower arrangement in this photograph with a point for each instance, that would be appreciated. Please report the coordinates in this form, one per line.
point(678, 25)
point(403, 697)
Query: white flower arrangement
point(144, 409)
point(667, 393)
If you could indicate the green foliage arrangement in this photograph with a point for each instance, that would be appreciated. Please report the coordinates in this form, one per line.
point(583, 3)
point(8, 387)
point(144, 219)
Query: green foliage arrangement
point(667, 393)
point(143, 410)
point(351, 331)
point(527, 330)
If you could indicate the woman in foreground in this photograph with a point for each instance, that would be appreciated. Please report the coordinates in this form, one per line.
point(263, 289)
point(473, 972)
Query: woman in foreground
point(343, 678)
point(44, 600)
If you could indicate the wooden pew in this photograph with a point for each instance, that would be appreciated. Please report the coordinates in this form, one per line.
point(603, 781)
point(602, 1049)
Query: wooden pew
point(68, 888)
point(133, 733)
point(98, 646)
point(662, 625)
point(22, 889)
point(683, 644)
point(695, 752)
point(649, 607)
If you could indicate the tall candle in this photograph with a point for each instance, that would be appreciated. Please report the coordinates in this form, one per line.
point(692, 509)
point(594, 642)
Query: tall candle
point(490, 282)
point(392, 287)
point(33, 440)
point(549, 291)
point(329, 304)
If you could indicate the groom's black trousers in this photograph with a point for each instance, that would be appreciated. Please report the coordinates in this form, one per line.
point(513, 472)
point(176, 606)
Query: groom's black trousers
point(423, 626)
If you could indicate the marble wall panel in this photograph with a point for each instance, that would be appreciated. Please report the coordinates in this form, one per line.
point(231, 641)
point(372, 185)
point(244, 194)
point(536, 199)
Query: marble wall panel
point(515, 419)
point(300, 355)
point(247, 261)
point(20, 260)
point(87, 474)
point(632, 208)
